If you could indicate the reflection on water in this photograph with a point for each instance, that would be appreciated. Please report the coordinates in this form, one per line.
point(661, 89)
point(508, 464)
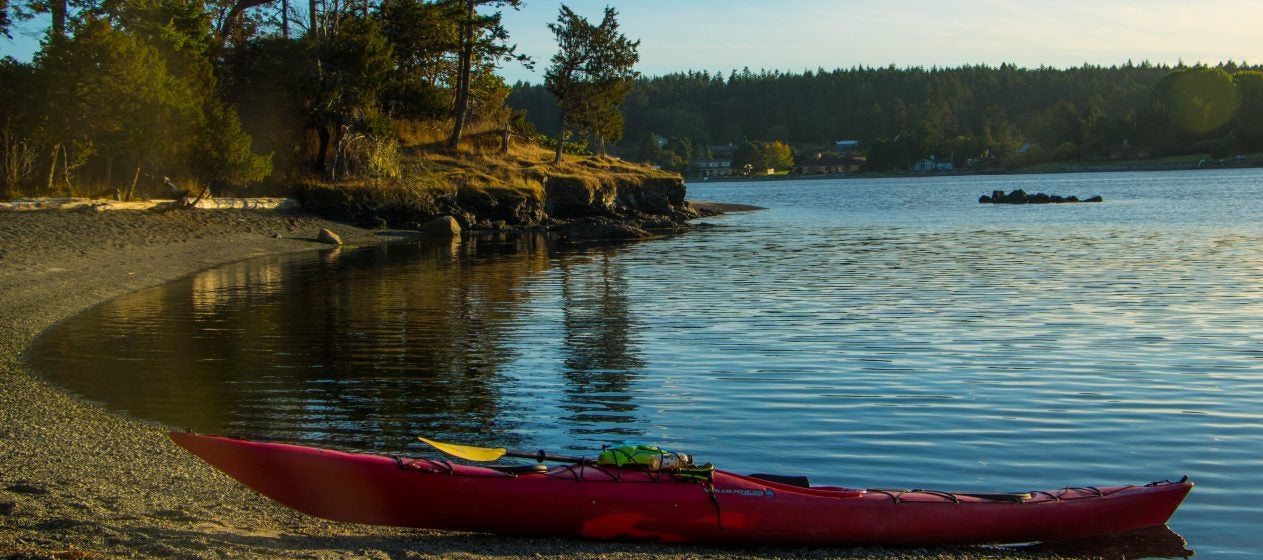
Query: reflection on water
point(885, 333)
point(347, 348)
point(601, 359)
point(1154, 542)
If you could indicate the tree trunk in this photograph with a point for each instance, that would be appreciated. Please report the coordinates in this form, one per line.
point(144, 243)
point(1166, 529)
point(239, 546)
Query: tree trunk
point(505, 138)
point(462, 78)
point(52, 169)
point(285, 18)
point(323, 152)
point(233, 18)
point(57, 9)
point(200, 196)
point(65, 170)
point(561, 137)
point(131, 191)
point(311, 16)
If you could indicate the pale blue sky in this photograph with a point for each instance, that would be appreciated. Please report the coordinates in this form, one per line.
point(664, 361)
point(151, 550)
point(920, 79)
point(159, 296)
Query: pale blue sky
point(794, 35)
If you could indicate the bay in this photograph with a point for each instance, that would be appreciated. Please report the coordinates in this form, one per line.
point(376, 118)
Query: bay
point(868, 332)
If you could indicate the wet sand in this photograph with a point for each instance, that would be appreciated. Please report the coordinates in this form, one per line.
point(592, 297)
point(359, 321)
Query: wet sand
point(78, 481)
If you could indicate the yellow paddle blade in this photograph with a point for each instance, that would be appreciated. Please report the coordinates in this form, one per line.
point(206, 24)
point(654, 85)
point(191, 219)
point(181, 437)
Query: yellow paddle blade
point(465, 451)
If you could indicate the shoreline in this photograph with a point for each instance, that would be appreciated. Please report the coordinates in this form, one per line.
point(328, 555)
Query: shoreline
point(80, 481)
point(908, 174)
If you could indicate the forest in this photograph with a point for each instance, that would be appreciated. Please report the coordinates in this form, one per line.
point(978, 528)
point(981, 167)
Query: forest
point(970, 115)
point(150, 98)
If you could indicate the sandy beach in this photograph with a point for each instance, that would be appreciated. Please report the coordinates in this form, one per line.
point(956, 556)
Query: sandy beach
point(78, 481)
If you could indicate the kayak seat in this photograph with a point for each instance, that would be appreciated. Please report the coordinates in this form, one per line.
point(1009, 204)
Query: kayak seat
point(520, 469)
point(788, 480)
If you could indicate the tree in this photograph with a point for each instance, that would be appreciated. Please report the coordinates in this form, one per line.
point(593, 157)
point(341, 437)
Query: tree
point(5, 20)
point(483, 38)
point(778, 155)
point(353, 68)
point(591, 72)
point(649, 150)
point(116, 98)
point(1198, 100)
point(58, 14)
point(1249, 118)
point(1094, 128)
point(19, 149)
point(224, 152)
point(232, 15)
point(757, 157)
point(423, 36)
point(134, 87)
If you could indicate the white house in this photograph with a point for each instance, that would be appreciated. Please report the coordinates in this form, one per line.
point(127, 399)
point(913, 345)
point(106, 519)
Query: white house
point(931, 164)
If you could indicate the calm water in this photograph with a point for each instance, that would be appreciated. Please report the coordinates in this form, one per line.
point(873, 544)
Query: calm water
point(871, 333)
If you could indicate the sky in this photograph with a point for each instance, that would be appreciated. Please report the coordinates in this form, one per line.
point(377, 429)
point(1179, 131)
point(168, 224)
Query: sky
point(798, 35)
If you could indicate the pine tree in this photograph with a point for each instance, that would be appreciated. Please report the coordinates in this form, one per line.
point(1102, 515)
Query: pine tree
point(482, 38)
point(590, 74)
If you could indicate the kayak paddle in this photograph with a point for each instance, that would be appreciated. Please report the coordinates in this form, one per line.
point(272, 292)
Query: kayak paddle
point(472, 453)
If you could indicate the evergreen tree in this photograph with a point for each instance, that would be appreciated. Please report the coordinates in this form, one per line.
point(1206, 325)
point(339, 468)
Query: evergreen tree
point(422, 35)
point(6, 21)
point(1248, 122)
point(1198, 100)
point(649, 150)
point(482, 38)
point(591, 72)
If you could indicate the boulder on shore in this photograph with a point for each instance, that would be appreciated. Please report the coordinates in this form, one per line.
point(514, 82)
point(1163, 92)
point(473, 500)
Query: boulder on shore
point(327, 236)
point(1020, 196)
point(443, 226)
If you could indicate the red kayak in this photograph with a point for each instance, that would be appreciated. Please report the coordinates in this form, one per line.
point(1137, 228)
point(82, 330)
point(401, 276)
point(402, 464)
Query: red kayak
point(596, 502)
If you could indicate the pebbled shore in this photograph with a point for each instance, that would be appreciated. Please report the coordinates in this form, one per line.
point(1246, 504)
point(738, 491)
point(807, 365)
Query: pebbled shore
point(78, 481)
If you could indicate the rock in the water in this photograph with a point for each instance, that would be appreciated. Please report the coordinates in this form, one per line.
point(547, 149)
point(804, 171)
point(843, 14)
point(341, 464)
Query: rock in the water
point(326, 236)
point(443, 226)
point(613, 231)
point(1021, 197)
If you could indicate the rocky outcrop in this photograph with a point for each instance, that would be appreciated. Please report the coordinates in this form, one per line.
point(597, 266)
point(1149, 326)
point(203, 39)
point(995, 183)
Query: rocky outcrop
point(577, 197)
point(1020, 197)
point(591, 203)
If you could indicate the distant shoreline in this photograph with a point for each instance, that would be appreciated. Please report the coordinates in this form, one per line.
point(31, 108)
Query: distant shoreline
point(1064, 169)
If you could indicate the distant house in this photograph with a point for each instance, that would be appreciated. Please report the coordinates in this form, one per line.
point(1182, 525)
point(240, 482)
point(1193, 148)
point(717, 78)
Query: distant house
point(1127, 151)
point(823, 164)
point(707, 168)
point(846, 145)
point(932, 164)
